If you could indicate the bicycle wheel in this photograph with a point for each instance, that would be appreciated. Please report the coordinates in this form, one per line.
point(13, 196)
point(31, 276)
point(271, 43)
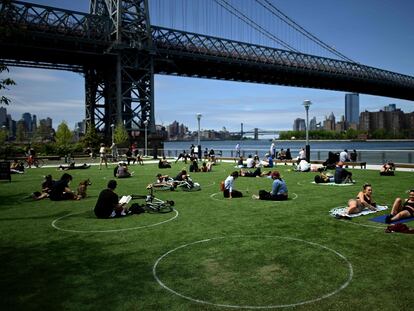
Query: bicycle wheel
point(160, 208)
point(38, 163)
point(26, 164)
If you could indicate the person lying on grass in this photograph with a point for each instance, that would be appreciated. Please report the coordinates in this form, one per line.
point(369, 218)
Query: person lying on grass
point(163, 181)
point(108, 205)
point(279, 190)
point(256, 173)
point(402, 209)
point(363, 200)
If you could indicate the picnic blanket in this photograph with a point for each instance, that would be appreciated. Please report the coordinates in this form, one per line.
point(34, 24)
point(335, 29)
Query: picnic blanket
point(341, 210)
point(381, 219)
point(332, 184)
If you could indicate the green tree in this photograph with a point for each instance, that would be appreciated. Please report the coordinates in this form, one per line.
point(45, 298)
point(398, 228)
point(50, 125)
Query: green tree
point(4, 83)
point(3, 136)
point(64, 138)
point(120, 134)
point(91, 138)
point(20, 132)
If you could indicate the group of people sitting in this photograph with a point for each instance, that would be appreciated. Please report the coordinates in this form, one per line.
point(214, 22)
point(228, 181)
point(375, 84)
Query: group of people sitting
point(341, 176)
point(279, 190)
point(401, 208)
point(181, 180)
point(57, 190)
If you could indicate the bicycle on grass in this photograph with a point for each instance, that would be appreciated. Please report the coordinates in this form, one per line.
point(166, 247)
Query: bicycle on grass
point(29, 162)
point(153, 204)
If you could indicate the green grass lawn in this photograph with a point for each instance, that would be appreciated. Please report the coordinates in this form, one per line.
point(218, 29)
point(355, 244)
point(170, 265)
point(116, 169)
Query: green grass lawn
point(211, 254)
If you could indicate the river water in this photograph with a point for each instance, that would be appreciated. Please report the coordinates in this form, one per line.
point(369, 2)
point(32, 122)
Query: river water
point(373, 152)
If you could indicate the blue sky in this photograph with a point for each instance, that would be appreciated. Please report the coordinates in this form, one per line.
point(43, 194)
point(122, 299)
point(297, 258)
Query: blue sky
point(377, 33)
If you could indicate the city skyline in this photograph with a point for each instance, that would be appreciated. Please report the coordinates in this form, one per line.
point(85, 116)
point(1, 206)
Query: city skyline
point(383, 40)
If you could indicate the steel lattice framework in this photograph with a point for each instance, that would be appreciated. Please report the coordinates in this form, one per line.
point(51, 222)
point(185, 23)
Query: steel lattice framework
point(118, 51)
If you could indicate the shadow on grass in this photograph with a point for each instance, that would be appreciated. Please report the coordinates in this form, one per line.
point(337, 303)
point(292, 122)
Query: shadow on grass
point(70, 274)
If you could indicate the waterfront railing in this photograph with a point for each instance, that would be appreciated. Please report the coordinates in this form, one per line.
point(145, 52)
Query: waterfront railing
point(369, 156)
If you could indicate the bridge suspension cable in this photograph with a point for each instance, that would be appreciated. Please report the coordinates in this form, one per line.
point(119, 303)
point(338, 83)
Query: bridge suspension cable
point(286, 19)
point(244, 18)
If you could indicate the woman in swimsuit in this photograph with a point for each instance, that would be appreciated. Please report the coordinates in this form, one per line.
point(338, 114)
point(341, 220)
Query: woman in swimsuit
point(364, 200)
point(402, 209)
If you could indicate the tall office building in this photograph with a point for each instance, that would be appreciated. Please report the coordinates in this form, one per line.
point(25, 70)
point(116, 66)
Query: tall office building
point(3, 116)
point(27, 119)
point(299, 124)
point(352, 108)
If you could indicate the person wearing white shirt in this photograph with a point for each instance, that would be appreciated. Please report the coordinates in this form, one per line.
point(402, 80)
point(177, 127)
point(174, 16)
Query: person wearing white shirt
point(250, 162)
point(228, 191)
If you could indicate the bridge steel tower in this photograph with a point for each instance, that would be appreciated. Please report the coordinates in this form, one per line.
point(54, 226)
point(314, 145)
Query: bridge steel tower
point(122, 90)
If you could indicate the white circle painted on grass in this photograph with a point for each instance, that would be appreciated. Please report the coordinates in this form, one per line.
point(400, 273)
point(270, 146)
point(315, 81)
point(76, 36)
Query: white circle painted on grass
point(213, 196)
point(341, 287)
point(54, 225)
point(210, 185)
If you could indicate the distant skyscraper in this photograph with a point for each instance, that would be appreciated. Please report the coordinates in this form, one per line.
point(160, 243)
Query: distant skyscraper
point(313, 124)
point(390, 107)
point(3, 116)
point(299, 124)
point(27, 119)
point(352, 108)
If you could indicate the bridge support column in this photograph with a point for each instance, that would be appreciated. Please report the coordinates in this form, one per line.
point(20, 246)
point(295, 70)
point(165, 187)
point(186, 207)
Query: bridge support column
point(256, 133)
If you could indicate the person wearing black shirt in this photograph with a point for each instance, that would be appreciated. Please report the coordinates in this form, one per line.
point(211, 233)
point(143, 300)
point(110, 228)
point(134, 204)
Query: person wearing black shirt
point(61, 191)
point(107, 205)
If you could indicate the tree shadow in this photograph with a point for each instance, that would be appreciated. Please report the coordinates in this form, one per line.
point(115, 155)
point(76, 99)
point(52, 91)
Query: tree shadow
point(71, 274)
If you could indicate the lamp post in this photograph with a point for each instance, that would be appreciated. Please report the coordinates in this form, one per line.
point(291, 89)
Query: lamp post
point(112, 133)
point(198, 135)
point(146, 140)
point(306, 104)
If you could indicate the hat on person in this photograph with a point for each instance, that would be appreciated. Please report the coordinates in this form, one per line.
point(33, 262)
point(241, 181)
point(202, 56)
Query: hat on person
point(275, 174)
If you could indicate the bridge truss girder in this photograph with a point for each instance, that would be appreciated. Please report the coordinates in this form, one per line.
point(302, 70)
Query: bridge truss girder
point(190, 54)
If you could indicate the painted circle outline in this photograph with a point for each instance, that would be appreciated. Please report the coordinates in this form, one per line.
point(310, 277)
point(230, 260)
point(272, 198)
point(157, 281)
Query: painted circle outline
point(53, 224)
point(343, 286)
point(212, 196)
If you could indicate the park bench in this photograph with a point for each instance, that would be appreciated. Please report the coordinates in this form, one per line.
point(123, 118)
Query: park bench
point(363, 165)
point(404, 165)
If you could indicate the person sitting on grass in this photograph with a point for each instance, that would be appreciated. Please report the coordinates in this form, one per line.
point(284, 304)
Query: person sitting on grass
point(363, 201)
point(400, 209)
point(279, 190)
point(163, 163)
point(194, 165)
point(16, 167)
point(267, 161)
point(228, 191)
point(60, 189)
point(387, 169)
point(250, 163)
point(342, 176)
point(47, 185)
point(122, 171)
point(303, 166)
point(108, 205)
point(206, 167)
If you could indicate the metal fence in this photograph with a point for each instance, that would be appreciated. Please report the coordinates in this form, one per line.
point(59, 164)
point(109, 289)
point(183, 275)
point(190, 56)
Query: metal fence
point(369, 156)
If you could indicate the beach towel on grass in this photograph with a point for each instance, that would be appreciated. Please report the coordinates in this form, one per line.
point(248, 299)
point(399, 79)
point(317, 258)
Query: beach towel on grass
point(333, 184)
point(381, 219)
point(342, 211)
